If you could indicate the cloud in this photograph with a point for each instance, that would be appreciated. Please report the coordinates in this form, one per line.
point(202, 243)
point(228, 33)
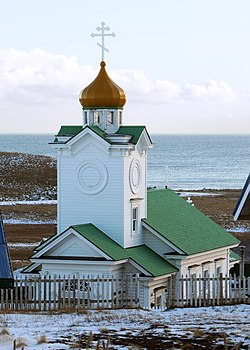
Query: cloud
point(210, 90)
point(39, 77)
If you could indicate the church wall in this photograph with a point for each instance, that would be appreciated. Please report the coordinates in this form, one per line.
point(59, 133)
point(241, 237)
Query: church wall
point(130, 199)
point(104, 208)
point(209, 261)
point(73, 246)
point(156, 244)
point(69, 269)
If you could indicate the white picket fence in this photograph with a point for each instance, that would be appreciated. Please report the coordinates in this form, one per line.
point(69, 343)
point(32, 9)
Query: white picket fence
point(71, 293)
point(53, 293)
point(212, 290)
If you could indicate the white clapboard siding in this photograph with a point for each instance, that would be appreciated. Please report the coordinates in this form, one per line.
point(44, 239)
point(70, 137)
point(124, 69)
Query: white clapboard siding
point(103, 209)
point(72, 246)
point(156, 243)
point(109, 209)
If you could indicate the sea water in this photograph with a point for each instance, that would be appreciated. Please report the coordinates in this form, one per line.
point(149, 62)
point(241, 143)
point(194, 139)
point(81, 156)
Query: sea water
point(176, 161)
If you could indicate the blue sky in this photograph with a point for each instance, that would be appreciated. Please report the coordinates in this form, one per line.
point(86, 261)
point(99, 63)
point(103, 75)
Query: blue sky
point(184, 64)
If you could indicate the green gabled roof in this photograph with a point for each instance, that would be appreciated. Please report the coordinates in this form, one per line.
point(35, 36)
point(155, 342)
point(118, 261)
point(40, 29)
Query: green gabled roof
point(142, 255)
point(134, 131)
point(69, 130)
point(183, 225)
point(150, 261)
point(233, 256)
point(99, 132)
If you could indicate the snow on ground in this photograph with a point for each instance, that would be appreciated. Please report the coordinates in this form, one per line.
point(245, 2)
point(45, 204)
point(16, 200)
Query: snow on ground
point(38, 202)
point(239, 229)
point(197, 194)
point(62, 330)
point(25, 221)
point(22, 245)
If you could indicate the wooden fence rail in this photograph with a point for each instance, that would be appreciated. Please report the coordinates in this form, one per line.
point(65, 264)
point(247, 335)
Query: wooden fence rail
point(212, 290)
point(53, 293)
point(71, 293)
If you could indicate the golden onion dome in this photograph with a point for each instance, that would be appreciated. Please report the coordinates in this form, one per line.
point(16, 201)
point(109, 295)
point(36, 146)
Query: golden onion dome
point(102, 92)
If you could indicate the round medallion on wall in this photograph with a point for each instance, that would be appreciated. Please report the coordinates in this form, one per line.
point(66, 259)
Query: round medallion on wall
point(135, 175)
point(91, 176)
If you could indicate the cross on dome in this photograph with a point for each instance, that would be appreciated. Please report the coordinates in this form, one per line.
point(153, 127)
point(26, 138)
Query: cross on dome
point(102, 35)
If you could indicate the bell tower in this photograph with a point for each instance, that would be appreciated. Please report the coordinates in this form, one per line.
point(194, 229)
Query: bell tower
point(102, 165)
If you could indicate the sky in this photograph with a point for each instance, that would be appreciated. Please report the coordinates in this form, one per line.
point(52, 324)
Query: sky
point(184, 64)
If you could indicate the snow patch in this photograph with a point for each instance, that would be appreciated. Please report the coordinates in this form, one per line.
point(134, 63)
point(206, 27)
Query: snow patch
point(37, 202)
point(239, 229)
point(197, 194)
point(28, 222)
point(63, 330)
point(22, 245)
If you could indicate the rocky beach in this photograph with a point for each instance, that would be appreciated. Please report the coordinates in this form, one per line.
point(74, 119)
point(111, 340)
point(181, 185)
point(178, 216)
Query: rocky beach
point(28, 204)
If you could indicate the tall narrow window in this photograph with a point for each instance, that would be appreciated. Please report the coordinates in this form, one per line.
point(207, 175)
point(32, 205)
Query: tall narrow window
point(120, 118)
point(135, 220)
point(111, 117)
point(96, 119)
point(85, 118)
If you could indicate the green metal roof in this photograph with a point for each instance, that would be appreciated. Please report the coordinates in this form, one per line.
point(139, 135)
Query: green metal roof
point(233, 256)
point(69, 130)
point(142, 255)
point(184, 225)
point(135, 131)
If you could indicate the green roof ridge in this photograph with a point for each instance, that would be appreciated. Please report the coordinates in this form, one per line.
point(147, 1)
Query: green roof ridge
point(184, 225)
point(69, 130)
point(134, 130)
point(142, 255)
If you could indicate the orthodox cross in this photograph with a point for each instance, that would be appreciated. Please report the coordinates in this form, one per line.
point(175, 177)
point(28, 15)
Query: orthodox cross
point(102, 35)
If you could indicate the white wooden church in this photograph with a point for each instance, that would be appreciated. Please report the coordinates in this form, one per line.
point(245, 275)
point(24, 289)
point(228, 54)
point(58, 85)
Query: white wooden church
point(108, 222)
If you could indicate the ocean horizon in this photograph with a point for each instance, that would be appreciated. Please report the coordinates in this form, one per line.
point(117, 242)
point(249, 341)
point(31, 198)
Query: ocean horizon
point(178, 161)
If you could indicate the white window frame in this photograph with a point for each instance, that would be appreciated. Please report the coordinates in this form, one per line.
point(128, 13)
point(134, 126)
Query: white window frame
point(135, 219)
point(96, 118)
point(111, 117)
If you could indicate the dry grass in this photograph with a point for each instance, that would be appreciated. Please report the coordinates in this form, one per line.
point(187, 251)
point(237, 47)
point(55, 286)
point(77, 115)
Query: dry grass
point(42, 339)
point(198, 333)
point(26, 175)
point(4, 331)
point(20, 342)
point(104, 330)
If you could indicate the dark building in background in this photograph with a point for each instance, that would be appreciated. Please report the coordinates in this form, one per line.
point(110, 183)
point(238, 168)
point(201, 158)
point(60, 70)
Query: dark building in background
point(6, 276)
point(242, 209)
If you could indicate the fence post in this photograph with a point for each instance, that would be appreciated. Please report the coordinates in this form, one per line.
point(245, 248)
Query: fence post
point(39, 293)
point(221, 288)
point(59, 299)
point(54, 292)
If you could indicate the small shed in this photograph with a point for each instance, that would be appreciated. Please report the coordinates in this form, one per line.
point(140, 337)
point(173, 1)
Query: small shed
point(6, 276)
point(242, 209)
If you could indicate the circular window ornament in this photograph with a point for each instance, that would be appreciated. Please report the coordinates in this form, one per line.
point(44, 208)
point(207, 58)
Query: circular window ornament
point(135, 175)
point(91, 177)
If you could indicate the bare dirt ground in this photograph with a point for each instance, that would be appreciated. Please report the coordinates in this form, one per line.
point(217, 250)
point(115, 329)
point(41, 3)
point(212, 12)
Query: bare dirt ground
point(219, 208)
point(28, 177)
